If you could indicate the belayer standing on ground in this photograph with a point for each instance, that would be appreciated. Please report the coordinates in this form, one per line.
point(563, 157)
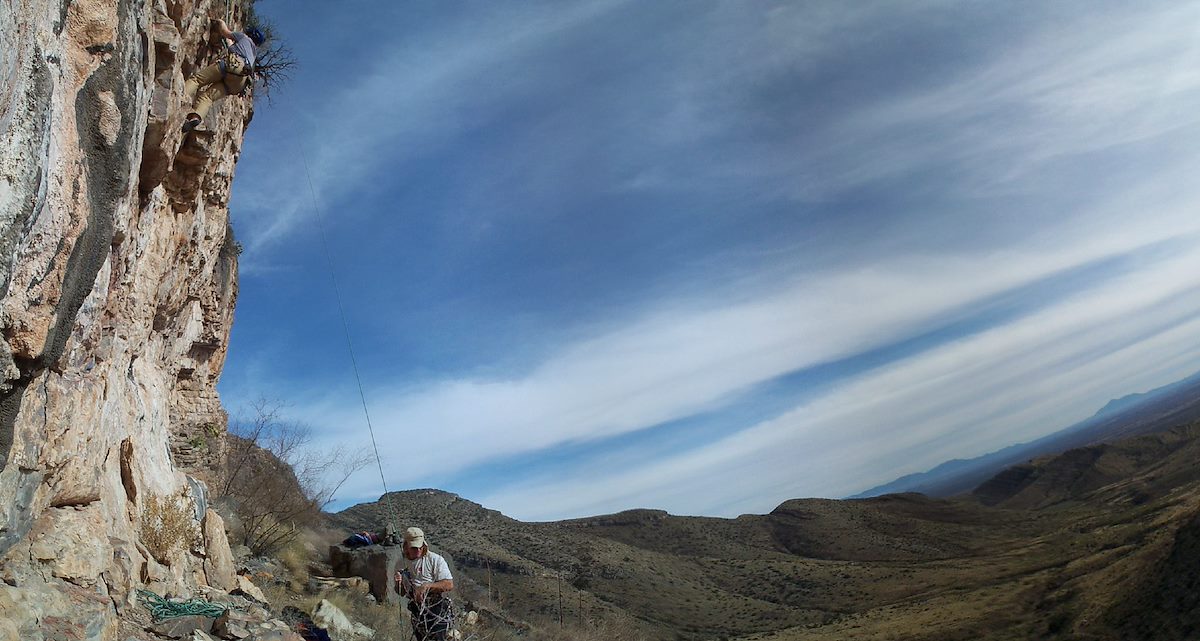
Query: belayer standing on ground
point(228, 76)
point(424, 580)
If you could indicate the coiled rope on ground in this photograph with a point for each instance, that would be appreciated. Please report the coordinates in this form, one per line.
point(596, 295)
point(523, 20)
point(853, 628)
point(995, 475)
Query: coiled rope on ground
point(161, 608)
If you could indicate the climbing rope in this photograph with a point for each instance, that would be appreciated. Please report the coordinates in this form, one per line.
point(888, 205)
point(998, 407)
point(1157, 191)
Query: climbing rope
point(161, 608)
point(390, 514)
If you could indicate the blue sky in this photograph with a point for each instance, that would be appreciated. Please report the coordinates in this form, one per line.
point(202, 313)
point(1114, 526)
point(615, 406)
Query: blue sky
point(710, 256)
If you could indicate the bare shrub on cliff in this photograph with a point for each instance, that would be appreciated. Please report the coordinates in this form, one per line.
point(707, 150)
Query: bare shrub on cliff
point(274, 61)
point(168, 524)
point(273, 68)
point(277, 480)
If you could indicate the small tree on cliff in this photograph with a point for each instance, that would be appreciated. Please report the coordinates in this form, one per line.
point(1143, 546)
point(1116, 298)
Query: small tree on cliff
point(273, 68)
point(277, 481)
point(275, 61)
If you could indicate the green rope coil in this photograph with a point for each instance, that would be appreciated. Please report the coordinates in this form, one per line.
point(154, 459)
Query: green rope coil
point(161, 608)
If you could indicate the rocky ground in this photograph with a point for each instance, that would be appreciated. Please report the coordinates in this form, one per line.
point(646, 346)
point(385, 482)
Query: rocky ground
point(277, 599)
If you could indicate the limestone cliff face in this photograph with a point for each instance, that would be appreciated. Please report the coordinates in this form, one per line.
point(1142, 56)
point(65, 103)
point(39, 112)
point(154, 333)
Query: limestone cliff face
point(118, 275)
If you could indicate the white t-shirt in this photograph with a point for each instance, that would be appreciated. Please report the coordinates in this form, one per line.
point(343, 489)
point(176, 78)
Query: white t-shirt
point(428, 569)
point(244, 47)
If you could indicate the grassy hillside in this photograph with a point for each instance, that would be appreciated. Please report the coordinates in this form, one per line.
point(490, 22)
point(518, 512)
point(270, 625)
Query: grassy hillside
point(1095, 543)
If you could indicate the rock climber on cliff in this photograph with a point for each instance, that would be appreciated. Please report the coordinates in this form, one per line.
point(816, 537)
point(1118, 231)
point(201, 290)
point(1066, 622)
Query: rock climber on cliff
point(424, 580)
point(226, 77)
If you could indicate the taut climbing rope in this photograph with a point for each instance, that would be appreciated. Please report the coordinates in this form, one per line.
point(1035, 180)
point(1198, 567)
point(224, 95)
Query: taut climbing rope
point(390, 513)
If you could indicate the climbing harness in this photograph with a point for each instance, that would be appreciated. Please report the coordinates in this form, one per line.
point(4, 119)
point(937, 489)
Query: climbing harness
point(387, 506)
point(161, 608)
point(239, 67)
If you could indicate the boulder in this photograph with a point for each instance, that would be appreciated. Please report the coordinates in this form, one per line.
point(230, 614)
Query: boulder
point(330, 617)
point(182, 627)
point(375, 563)
point(71, 542)
point(355, 585)
point(275, 635)
point(55, 610)
point(235, 624)
point(273, 630)
point(246, 587)
point(218, 560)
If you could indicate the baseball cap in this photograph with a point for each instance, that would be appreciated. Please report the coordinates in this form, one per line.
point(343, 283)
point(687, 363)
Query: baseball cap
point(414, 537)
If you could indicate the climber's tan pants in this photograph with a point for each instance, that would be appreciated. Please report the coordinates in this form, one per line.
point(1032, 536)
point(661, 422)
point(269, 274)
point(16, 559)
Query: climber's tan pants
point(212, 87)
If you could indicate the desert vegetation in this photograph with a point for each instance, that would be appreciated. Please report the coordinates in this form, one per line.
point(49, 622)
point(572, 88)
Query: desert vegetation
point(276, 482)
point(168, 525)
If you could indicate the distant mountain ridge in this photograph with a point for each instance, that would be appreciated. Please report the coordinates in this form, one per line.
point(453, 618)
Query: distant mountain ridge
point(1158, 409)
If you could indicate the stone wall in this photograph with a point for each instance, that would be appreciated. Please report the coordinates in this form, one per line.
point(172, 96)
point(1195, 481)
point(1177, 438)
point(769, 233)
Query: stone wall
point(118, 279)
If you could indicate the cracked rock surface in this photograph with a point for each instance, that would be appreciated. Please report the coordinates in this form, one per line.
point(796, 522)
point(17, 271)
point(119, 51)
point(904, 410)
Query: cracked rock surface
point(118, 279)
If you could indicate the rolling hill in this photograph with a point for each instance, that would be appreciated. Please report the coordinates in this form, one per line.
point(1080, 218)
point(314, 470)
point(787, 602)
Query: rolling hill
point(1096, 543)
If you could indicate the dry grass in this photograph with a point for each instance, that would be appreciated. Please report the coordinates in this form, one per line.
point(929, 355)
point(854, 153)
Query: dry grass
point(295, 558)
point(168, 525)
point(547, 630)
point(388, 621)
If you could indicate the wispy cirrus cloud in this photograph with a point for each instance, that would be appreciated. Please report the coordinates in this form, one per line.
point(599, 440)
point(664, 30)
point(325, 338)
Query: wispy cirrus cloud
point(631, 379)
point(966, 397)
point(400, 103)
point(719, 198)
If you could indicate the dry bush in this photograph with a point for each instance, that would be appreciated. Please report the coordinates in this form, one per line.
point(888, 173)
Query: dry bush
point(273, 67)
point(277, 480)
point(269, 502)
point(279, 595)
point(168, 524)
